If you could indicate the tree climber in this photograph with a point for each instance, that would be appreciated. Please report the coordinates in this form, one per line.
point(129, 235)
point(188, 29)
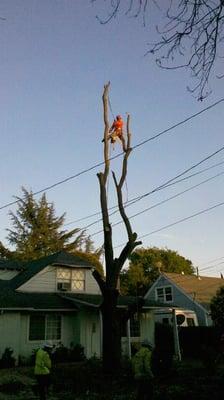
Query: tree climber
point(116, 132)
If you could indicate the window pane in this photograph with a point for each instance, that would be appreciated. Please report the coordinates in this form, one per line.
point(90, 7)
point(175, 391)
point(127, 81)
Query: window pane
point(78, 280)
point(37, 327)
point(190, 322)
point(77, 285)
point(160, 294)
point(63, 274)
point(168, 290)
point(78, 274)
point(168, 294)
point(53, 329)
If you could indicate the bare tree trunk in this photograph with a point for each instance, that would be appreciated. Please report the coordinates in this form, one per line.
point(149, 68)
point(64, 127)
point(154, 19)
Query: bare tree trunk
point(110, 313)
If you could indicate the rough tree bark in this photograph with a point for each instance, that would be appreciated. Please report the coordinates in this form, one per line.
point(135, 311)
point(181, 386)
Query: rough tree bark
point(110, 314)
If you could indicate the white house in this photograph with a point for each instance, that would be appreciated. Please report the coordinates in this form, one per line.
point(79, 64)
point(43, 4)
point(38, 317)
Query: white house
point(56, 298)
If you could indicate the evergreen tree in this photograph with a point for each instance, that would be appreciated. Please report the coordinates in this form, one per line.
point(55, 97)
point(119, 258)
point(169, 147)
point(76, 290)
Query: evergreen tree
point(38, 232)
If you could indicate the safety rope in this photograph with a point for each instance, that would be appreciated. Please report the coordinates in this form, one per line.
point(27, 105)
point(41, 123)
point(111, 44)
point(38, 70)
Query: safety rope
point(110, 107)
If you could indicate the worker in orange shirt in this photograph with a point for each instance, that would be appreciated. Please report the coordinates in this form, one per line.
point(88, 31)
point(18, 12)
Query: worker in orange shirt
point(116, 131)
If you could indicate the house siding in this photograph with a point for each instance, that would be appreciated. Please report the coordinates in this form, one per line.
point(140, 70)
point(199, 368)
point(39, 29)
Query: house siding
point(147, 326)
point(10, 325)
point(90, 333)
point(7, 275)
point(180, 299)
point(70, 332)
point(46, 281)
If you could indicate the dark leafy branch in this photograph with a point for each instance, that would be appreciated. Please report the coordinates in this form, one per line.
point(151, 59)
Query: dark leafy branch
point(191, 36)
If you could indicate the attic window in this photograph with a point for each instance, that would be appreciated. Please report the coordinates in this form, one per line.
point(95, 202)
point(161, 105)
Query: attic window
point(164, 294)
point(70, 279)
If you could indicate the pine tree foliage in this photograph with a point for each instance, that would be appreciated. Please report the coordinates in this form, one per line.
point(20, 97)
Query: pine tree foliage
point(37, 231)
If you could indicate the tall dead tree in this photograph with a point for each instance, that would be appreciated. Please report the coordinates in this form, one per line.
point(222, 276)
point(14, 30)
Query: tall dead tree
point(111, 317)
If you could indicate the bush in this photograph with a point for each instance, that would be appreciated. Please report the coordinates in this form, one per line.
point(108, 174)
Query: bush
point(7, 360)
point(76, 353)
point(65, 354)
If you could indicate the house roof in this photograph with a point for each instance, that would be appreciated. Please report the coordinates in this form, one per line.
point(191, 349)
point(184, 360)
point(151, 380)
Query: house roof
point(10, 299)
point(95, 300)
point(201, 288)
point(31, 268)
point(11, 265)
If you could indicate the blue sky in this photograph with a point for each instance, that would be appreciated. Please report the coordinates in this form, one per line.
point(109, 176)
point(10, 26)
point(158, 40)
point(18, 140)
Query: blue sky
point(55, 59)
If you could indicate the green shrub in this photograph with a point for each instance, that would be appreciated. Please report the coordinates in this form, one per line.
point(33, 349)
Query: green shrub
point(7, 360)
point(76, 353)
point(65, 354)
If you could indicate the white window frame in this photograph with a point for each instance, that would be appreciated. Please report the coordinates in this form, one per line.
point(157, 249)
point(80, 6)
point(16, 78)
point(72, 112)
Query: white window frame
point(46, 316)
point(163, 288)
point(70, 273)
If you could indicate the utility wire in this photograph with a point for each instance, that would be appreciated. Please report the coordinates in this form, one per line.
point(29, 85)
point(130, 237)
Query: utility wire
point(166, 184)
point(212, 266)
point(177, 222)
point(211, 261)
point(119, 154)
point(163, 201)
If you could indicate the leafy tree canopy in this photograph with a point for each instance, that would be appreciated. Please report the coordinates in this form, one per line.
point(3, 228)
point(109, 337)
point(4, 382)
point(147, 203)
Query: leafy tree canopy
point(217, 308)
point(145, 266)
point(38, 232)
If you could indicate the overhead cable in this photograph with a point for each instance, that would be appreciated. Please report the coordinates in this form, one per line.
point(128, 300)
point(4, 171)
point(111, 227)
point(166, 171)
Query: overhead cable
point(119, 154)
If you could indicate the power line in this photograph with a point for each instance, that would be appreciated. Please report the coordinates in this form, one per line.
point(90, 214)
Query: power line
point(166, 184)
point(178, 221)
point(113, 207)
point(214, 259)
point(163, 201)
point(212, 266)
point(118, 155)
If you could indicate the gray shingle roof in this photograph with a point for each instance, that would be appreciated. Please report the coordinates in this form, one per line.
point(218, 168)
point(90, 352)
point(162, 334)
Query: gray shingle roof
point(201, 288)
point(10, 299)
point(33, 267)
point(95, 300)
point(11, 265)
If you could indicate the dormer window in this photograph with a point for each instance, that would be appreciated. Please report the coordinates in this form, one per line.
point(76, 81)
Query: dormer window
point(164, 294)
point(70, 280)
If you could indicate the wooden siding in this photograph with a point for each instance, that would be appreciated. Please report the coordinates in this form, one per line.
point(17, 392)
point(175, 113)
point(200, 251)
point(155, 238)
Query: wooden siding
point(90, 333)
point(147, 324)
point(10, 332)
point(69, 334)
point(46, 281)
point(7, 275)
